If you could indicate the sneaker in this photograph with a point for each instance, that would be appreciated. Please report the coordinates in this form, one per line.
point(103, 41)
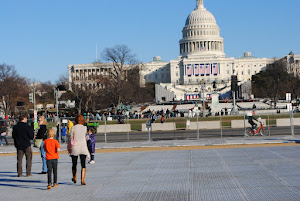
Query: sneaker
point(1, 145)
point(55, 185)
point(42, 173)
point(92, 162)
point(49, 186)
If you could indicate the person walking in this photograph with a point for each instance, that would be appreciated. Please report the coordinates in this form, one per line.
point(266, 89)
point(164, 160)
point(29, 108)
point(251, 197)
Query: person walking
point(3, 132)
point(77, 146)
point(91, 142)
point(22, 134)
point(70, 125)
point(51, 147)
point(63, 134)
point(42, 135)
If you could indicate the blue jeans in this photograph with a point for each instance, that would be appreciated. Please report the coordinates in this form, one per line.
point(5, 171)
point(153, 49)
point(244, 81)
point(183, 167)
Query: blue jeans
point(43, 155)
point(4, 139)
point(64, 138)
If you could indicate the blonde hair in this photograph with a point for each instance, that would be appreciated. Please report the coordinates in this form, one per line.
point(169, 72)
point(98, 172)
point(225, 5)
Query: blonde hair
point(51, 133)
point(43, 120)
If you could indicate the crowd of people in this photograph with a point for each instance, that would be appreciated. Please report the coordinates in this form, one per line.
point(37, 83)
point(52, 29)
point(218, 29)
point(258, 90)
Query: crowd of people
point(81, 144)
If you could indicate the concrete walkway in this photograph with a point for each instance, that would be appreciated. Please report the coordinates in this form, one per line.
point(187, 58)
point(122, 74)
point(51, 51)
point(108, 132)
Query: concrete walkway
point(172, 143)
point(268, 173)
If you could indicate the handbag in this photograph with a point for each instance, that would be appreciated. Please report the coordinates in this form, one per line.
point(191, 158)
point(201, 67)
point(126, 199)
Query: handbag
point(3, 134)
point(73, 141)
point(38, 142)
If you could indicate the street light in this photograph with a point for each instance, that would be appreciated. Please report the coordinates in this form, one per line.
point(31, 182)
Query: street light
point(71, 81)
point(196, 106)
point(58, 119)
point(203, 98)
point(234, 87)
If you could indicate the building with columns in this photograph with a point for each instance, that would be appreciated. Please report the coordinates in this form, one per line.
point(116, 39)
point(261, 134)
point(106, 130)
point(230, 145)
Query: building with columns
point(293, 63)
point(202, 61)
point(89, 73)
point(201, 64)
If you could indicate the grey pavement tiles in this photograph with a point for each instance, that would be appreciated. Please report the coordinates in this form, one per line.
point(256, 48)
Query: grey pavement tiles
point(270, 173)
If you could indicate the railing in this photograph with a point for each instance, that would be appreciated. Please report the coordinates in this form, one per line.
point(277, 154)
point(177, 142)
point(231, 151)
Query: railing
point(195, 127)
point(145, 127)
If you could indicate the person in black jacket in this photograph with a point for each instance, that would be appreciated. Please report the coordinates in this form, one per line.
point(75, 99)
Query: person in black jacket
point(42, 134)
point(22, 134)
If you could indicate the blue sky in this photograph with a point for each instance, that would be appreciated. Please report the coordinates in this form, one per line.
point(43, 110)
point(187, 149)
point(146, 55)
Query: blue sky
point(41, 38)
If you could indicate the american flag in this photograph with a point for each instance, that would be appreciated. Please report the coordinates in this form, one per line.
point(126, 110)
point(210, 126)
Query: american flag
point(202, 69)
point(215, 69)
point(189, 70)
point(196, 69)
point(207, 69)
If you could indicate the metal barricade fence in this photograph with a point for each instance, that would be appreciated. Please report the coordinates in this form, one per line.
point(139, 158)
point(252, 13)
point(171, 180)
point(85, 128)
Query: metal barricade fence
point(120, 128)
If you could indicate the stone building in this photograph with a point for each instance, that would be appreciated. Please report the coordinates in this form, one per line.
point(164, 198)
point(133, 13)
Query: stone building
point(200, 65)
point(202, 61)
point(89, 73)
point(293, 63)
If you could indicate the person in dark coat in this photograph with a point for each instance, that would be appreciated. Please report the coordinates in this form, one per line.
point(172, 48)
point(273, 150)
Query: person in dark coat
point(22, 134)
point(91, 142)
point(42, 134)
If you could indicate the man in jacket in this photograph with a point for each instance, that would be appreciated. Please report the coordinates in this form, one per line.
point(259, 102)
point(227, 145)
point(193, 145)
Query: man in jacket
point(22, 134)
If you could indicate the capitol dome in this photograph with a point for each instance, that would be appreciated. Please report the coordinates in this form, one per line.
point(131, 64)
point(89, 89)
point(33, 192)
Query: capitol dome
point(200, 16)
point(201, 34)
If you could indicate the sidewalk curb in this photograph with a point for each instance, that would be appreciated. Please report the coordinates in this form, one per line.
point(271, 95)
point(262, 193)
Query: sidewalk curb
point(177, 144)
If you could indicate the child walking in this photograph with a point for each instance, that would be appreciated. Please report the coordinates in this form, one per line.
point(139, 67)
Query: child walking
point(64, 134)
point(91, 141)
point(51, 147)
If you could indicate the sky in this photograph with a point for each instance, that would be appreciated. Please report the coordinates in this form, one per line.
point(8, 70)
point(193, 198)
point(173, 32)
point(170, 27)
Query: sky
point(41, 37)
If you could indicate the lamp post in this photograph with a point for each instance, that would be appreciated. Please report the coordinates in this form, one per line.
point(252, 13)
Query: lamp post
point(58, 119)
point(35, 123)
point(203, 98)
point(196, 106)
point(71, 80)
point(234, 87)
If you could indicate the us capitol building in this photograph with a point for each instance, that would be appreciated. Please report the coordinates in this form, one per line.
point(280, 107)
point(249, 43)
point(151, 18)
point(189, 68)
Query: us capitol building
point(201, 64)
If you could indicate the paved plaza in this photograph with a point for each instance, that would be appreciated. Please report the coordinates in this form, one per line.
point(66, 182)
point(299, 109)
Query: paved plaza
point(259, 173)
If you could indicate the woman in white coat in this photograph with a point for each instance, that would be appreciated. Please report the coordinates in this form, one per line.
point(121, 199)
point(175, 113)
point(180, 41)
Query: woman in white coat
point(78, 147)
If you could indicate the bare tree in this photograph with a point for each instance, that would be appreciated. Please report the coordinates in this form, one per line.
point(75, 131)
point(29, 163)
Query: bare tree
point(13, 88)
point(120, 83)
point(274, 82)
point(115, 88)
point(63, 80)
point(45, 93)
point(85, 94)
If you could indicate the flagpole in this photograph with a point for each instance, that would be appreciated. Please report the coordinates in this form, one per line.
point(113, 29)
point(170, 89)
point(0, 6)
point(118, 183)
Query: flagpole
point(96, 53)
